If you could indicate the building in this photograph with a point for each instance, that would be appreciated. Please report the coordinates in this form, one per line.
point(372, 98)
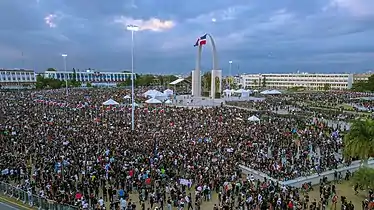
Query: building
point(17, 79)
point(361, 77)
point(89, 76)
point(303, 80)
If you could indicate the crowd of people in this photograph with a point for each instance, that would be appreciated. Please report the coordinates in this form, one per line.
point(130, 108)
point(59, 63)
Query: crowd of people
point(73, 150)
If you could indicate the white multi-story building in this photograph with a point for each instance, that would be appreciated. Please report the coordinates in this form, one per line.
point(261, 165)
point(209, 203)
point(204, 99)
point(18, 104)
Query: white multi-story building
point(305, 80)
point(92, 76)
point(17, 79)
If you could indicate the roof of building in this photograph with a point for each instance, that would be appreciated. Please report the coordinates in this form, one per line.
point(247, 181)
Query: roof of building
point(176, 81)
point(29, 70)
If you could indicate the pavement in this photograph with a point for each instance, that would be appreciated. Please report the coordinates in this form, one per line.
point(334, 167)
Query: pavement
point(5, 206)
point(8, 204)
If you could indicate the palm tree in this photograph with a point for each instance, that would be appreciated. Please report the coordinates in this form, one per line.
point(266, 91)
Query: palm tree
point(359, 142)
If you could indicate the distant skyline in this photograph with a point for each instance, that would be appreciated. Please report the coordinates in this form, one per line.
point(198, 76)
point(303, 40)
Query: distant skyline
point(318, 36)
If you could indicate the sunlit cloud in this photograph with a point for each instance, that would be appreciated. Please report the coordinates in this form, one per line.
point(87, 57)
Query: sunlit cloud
point(153, 24)
point(358, 8)
point(49, 20)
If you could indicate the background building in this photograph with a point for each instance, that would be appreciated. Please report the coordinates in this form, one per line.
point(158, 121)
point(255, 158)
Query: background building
point(17, 79)
point(304, 80)
point(92, 76)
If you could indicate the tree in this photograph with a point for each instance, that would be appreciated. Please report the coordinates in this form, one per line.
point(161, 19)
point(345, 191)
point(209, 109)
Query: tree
point(360, 86)
point(364, 86)
point(264, 81)
point(359, 142)
point(143, 80)
point(364, 177)
point(46, 83)
point(327, 87)
point(255, 82)
point(51, 69)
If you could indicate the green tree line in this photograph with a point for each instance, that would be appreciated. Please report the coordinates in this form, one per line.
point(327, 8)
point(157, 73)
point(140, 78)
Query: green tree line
point(364, 86)
point(140, 80)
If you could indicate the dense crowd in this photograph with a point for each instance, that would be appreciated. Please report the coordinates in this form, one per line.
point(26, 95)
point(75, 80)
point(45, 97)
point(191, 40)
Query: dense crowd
point(73, 150)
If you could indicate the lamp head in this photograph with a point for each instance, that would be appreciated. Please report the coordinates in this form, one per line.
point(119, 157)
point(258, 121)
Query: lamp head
point(132, 27)
point(64, 55)
point(230, 62)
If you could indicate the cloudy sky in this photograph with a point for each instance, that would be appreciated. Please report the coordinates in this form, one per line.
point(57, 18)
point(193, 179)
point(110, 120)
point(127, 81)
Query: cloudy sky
point(257, 35)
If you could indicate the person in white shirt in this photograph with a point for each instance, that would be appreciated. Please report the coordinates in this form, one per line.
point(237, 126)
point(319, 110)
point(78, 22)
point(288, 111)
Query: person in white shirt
point(85, 206)
point(101, 202)
point(123, 204)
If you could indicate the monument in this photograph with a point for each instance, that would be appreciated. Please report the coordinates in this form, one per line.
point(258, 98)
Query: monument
point(216, 81)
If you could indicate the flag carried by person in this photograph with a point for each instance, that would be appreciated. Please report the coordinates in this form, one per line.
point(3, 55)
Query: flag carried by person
point(201, 41)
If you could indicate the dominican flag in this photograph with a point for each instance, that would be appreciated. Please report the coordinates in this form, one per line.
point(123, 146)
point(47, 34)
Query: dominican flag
point(201, 41)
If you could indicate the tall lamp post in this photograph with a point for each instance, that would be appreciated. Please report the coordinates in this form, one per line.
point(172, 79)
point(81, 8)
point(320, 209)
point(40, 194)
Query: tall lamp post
point(66, 75)
point(132, 28)
point(230, 64)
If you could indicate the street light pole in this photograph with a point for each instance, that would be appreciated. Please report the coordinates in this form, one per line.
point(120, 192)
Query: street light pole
point(132, 28)
point(230, 64)
point(66, 75)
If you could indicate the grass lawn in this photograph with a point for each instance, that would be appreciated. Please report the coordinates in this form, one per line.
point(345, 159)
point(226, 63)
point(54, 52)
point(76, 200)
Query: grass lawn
point(344, 189)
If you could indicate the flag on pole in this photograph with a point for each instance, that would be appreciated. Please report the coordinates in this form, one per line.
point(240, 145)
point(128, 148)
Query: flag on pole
point(201, 41)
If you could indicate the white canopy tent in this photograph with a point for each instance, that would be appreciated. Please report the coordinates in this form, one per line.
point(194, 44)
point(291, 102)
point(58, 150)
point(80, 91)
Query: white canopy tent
point(127, 97)
point(254, 119)
point(275, 92)
point(270, 92)
point(168, 92)
point(110, 102)
point(265, 92)
point(153, 101)
point(228, 92)
point(160, 96)
point(244, 93)
point(156, 94)
point(151, 93)
point(168, 102)
point(239, 91)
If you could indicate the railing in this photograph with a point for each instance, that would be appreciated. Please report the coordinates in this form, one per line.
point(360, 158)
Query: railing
point(31, 200)
point(314, 179)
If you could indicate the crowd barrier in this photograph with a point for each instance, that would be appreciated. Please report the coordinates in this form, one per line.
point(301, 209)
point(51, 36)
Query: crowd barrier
point(313, 179)
point(31, 200)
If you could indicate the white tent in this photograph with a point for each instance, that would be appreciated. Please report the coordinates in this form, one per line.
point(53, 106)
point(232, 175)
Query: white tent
point(275, 92)
point(265, 92)
point(243, 93)
point(240, 91)
point(160, 96)
point(127, 97)
point(227, 92)
point(153, 101)
point(110, 102)
point(152, 93)
point(271, 92)
point(156, 94)
point(168, 102)
point(168, 92)
point(254, 119)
